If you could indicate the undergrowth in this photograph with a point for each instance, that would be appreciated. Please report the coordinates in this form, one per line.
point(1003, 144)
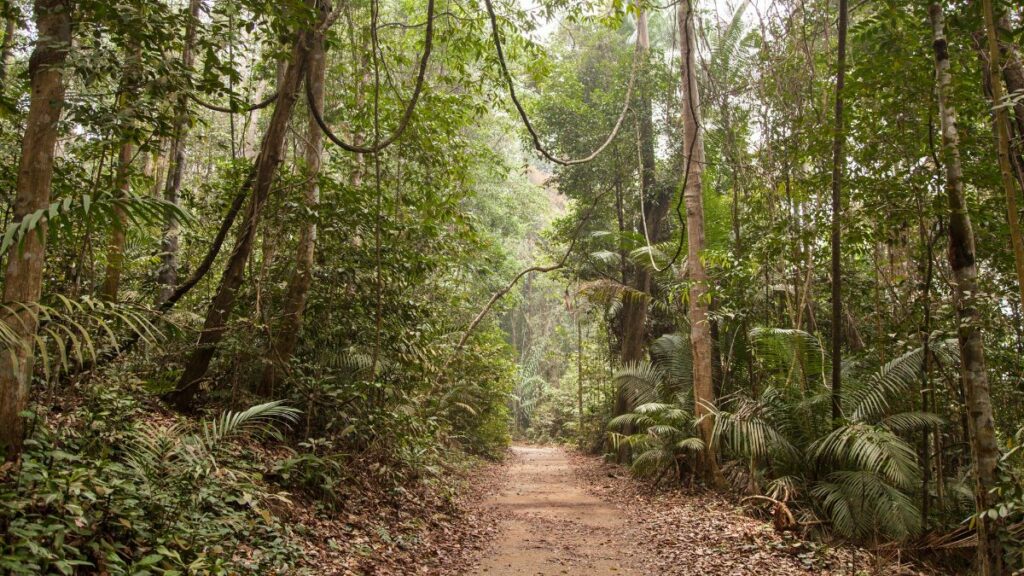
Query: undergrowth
point(109, 483)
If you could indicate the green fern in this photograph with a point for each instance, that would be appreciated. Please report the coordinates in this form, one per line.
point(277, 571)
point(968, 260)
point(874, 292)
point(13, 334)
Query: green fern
point(72, 331)
point(104, 212)
point(153, 447)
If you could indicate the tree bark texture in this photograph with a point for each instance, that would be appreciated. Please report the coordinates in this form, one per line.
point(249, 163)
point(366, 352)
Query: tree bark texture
point(1002, 125)
point(962, 261)
point(24, 276)
point(286, 337)
point(167, 275)
point(838, 161)
point(696, 275)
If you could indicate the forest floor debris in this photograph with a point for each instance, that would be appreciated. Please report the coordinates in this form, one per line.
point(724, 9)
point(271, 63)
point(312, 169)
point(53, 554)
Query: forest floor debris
point(552, 525)
point(433, 528)
point(703, 534)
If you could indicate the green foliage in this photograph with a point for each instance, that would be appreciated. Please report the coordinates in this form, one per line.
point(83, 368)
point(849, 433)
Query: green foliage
point(663, 438)
point(75, 332)
point(862, 474)
point(126, 496)
point(99, 214)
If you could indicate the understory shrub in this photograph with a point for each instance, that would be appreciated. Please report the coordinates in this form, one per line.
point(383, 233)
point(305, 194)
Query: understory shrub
point(101, 490)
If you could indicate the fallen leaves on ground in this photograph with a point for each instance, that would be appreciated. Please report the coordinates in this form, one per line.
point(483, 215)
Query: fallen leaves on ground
point(707, 534)
point(431, 528)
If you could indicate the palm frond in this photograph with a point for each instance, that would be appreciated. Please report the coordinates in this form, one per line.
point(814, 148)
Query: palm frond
point(912, 421)
point(859, 503)
point(893, 380)
point(96, 213)
point(872, 449)
point(640, 381)
point(789, 353)
point(672, 353)
point(748, 433)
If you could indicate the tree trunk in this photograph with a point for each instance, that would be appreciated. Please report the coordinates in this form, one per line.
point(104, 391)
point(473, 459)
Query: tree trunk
point(122, 173)
point(838, 159)
point(115, 247)
point(287, 337)
point(167, 276)
point(1013, 75)
point(926, 391)
point(270, 157)
point(1002, 124)
point(974, 378)
point(634, 310)
point(7, 47)
point(579, 372)
point(24, 278)
point(700, 327)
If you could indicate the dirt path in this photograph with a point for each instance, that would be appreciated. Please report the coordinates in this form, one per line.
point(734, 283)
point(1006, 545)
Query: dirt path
point(553, 526)
point(574, 515)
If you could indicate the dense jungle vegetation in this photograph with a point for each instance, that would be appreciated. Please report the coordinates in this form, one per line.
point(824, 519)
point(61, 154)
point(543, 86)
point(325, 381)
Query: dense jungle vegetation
point(263, 258)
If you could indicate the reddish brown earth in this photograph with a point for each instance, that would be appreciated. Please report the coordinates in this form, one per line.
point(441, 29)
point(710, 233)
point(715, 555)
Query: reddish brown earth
point(547, 512)
point(554, 526)
point(565, 514)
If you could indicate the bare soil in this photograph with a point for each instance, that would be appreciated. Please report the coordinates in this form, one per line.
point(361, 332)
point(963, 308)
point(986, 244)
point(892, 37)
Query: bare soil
point(566, 514)
point(553, 526)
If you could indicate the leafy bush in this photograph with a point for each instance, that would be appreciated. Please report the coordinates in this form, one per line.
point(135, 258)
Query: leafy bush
point(110, 494)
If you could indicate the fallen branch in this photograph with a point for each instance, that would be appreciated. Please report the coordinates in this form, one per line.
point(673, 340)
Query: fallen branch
point(782, 516)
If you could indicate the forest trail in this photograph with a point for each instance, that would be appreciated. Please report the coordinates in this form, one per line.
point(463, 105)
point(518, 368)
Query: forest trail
point(552, 525)
point(567, 514)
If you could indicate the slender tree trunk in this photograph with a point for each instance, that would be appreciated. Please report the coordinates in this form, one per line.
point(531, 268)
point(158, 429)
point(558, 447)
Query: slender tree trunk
point(115, 247)
point(693, 160)
point(1013, 75)
point(122, 175)
point(7, 46)
point(926, 329)
point(634, 310)
point(167, 275)
point(974, 378)
point(838, 160)
point(24, 278)
point(579, 373)
point(270, 158)
point(1002, 125)
point(287, 336)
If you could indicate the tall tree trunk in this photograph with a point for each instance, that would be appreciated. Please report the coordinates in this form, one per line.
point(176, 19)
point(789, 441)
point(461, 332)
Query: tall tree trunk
point(1002, 124)
point(927, 242)
point(577, 313)
point(7, 46)
point(654, 204)
point(693, 160)
point(1013, 75)
point(287, 336)
point(122, 173)
point(24, 278)
point(838, 160)
point(974, 378)
point(115, 246)
point(270, 158)
point(634, 310)
point(167, 276)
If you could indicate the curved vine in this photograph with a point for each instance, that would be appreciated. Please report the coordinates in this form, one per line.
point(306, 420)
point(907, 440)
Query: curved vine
point(230, 110)
point(525, 117)
point(379, 145)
